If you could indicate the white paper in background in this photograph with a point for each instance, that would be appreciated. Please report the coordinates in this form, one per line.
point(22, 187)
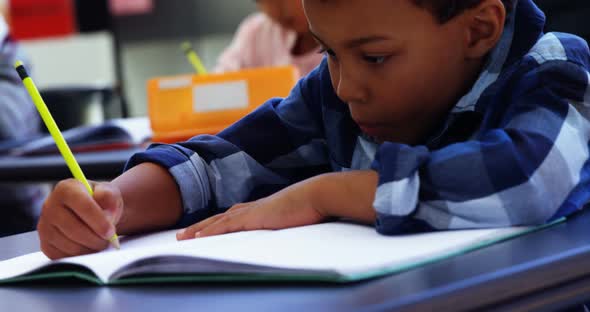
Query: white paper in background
point(138, 128)
point(220, 96)
point(131, 7)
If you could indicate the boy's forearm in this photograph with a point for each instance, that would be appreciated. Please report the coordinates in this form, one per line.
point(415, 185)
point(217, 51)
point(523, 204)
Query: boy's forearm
point(151, 199)
point(346, 194)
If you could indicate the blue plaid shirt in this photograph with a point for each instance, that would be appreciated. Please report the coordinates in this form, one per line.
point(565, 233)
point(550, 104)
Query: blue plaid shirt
point(513, 151)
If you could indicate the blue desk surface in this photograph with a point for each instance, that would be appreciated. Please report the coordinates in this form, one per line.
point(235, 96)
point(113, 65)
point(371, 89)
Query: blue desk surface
point(540, 271)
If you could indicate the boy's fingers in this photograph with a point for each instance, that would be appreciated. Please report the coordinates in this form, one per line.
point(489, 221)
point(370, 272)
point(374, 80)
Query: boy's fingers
point(72, 227)
point(51, 252)
point(67, 246)
point(189, 232)
point(76, 198)
point(44, 233)
point(110, 200)
point(55, 245)
point(230, 223)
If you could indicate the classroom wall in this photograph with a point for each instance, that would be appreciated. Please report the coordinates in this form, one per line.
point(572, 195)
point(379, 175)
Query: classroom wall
point(184, 18)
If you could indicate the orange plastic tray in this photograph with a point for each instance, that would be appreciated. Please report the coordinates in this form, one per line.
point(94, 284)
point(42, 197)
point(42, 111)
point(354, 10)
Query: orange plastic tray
point(181, 107)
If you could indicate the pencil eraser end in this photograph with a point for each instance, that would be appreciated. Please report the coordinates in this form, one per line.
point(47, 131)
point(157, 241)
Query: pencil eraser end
point(185, 46)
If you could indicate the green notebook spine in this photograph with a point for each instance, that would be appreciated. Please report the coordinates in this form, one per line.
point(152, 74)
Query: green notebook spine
point(54, 276)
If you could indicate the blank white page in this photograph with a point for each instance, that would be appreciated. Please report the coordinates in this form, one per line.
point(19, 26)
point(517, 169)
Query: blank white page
point(345, 248)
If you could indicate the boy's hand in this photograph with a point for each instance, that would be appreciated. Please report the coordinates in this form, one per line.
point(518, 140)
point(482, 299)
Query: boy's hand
point(288, 208)
point(74, 223)
point(343, 194)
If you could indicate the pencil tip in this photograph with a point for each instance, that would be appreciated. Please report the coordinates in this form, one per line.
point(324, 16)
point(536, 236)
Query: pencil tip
point(115, 242)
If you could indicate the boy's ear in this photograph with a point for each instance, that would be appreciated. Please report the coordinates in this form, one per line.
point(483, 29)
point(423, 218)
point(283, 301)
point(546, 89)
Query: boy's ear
point(484, 27)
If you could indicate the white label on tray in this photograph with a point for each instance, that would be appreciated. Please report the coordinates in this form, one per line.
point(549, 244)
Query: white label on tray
point(175, 83)
point(220, 96)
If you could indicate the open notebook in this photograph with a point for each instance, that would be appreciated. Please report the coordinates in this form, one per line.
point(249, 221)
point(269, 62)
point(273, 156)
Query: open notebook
point(330, 252)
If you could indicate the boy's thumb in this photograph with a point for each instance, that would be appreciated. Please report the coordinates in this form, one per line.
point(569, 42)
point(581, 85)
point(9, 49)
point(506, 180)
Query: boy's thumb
point(110, 200)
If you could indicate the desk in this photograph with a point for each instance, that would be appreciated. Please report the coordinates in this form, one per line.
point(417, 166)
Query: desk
point(545, 270)
point(96, 166)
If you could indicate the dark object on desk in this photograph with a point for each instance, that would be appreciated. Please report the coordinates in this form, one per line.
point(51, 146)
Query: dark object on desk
point(105, 165)
point(84, 139)
point(112, 135)
point(7, 146)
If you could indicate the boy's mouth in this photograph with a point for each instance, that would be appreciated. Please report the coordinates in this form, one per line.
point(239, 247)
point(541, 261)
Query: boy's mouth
point(374, 130)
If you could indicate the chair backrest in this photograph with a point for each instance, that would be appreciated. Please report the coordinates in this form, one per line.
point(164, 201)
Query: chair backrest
point(76, 76)
point(569, 16)
point(76, 106)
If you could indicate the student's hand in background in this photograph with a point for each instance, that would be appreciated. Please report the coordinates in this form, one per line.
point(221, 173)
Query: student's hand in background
point(344, 194)
point(74, 223)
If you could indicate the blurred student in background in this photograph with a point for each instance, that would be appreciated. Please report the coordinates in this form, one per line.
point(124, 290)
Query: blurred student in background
point(20, 204)
point(277, 35)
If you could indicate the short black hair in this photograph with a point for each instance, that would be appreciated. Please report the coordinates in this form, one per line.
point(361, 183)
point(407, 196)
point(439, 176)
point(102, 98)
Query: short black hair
point(445, 10)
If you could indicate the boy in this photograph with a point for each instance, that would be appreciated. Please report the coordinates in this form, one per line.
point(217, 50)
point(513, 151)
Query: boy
point(425, 115)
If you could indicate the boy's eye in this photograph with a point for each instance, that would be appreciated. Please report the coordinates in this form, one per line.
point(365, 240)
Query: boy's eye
point(375, 59)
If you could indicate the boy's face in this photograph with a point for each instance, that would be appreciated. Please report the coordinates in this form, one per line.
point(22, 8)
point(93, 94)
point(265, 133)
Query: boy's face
point(288, 13)
point(396, 67)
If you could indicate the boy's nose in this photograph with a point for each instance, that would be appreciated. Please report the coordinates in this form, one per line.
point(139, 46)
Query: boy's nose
point(349, 89)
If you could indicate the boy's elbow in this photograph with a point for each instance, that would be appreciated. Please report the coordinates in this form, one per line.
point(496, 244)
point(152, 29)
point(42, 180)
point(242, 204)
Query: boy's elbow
point(534, 209)
point(537, 207)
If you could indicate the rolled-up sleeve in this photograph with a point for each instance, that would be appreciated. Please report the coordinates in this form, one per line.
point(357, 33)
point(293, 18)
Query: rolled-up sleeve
point(280, 143)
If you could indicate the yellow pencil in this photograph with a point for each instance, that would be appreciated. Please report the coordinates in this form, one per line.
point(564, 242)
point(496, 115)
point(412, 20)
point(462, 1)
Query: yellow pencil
point(193, 58)
point(63, 147)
